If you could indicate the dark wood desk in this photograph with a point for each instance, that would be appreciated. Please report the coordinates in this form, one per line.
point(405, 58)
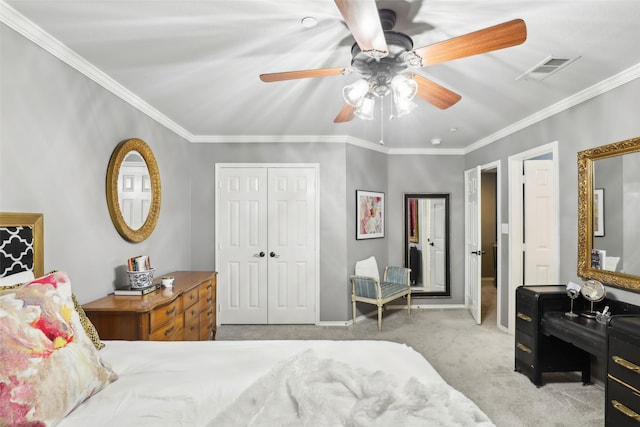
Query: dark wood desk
point(548, 341)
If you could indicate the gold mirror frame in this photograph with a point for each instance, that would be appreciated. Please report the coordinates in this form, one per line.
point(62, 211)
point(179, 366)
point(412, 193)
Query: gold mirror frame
point(585, 214)
point(115, 163)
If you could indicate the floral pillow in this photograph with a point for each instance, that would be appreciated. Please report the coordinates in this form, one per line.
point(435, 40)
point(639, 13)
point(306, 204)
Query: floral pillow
point(48, 365)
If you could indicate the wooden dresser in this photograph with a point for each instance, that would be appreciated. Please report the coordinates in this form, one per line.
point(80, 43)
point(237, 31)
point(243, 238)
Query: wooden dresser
point(623, 372)
point(186, 312)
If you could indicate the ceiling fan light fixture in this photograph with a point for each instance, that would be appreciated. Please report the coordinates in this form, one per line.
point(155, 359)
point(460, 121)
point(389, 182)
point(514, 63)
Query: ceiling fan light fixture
point(403, 106)
point(365, 109)
point(404, 87)
point(354, 93)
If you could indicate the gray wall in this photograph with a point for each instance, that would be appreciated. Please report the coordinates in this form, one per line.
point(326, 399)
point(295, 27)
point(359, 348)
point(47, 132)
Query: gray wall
point(334, 219)
point(607, 118)
point(57, 132)
point(428, 174)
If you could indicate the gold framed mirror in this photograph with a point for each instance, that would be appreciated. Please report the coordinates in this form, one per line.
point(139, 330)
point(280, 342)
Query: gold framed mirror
point(608, 223)
point(133, 190)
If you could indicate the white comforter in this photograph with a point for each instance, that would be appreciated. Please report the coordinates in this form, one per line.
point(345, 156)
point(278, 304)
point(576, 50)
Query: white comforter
point(273, 383)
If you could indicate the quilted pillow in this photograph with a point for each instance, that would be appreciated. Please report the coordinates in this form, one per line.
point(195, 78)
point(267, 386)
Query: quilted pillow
point(48, 365)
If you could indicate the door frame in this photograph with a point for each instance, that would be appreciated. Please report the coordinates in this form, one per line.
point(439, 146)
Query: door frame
point(316, 168)
point(516, 215)
point(496, 166)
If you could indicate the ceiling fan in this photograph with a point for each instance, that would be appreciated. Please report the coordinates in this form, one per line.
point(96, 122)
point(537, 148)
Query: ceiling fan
point(384, 57)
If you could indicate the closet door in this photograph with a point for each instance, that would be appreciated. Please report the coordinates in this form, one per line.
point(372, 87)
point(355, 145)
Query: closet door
point(292, 245)
point(242, 245)
point(266, 245)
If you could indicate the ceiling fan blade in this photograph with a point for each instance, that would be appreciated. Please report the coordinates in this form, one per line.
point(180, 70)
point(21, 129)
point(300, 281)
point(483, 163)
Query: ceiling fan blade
point(363, 21)
point(302, 74)
point(499, 36)
point(346, 114)
point(435, 94)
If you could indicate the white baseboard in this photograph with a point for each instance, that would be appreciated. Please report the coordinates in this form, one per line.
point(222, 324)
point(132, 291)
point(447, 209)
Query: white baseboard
point(391, 307)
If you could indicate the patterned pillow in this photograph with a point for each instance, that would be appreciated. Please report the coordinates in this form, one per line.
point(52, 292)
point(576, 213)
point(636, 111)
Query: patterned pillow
point(88, 327)
point(48, 365)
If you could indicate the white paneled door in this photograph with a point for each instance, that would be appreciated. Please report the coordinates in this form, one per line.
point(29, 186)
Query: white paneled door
point(267, 244)
point(473, 239)
point(540, 266)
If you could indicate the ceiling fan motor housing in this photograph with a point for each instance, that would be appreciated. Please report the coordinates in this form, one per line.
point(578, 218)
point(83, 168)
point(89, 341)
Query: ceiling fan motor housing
point(381, 71)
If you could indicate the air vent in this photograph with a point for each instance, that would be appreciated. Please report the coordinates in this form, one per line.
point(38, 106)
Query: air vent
point(544, 69)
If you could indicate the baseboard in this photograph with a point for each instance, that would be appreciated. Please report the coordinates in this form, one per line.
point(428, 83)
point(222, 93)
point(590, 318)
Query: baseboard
point(391, 307)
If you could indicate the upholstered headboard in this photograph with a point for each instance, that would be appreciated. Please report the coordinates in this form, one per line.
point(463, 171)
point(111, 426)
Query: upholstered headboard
point(21, 243)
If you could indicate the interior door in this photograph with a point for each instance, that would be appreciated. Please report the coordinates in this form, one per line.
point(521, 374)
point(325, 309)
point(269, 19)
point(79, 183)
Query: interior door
point(539, 232)
point(473, 242)
point(267, 244)
point(437, 242)
point(292, 245)
point(242, 245)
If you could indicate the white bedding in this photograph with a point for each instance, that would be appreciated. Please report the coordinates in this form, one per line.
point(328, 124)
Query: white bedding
point(228, 383)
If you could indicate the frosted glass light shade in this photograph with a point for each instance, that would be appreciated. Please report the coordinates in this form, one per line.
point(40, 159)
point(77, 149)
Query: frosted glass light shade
point(365, 109)
point(404, 87)
point(355, 92)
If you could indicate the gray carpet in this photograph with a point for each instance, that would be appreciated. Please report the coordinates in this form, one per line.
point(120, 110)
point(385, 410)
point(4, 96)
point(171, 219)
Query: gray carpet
point(475, 359)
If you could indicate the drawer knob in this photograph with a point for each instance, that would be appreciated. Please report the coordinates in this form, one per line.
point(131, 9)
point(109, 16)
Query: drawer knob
point(170, 312)
point(169, 331)
point(628, 412)
point(524, 317)
point(523, 347)
point(626, 364)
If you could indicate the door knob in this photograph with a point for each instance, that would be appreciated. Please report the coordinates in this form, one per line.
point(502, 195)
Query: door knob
point(274, 255)
point(260, 255)
point(431, 244)
point(477, 252)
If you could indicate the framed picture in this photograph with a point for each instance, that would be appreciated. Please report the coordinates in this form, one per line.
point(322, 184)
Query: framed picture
point(369, 214)
point(598, 212)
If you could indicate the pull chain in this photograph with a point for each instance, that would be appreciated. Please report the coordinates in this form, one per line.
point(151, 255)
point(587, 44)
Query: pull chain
point(381, 121)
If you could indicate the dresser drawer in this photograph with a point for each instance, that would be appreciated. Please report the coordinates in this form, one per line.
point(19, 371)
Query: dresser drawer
point(624, 361)
point(170, 332)
point(206, 296)
point(192, 329)
point(623, 405)
point(190, 298)
point(166, 314)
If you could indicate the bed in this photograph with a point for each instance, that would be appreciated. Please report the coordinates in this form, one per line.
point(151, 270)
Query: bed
point(54, 370)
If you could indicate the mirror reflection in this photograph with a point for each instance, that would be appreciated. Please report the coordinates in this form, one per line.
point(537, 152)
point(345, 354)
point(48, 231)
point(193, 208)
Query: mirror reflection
point(616, 224)
point(608, 224)
point(426, 243)
point(134, 190)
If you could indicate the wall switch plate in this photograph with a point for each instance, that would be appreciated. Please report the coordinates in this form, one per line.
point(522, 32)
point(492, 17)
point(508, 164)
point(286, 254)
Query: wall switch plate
point(505, 228)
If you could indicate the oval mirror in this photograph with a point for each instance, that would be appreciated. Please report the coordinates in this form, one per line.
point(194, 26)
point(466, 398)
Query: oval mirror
point(133, 190)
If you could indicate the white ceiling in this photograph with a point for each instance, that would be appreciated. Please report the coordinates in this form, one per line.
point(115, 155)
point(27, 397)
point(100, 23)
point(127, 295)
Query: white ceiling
point(197, 63)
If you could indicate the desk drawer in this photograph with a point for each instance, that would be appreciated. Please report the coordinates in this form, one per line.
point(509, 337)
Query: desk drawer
point(166, 314)
point(525, 348)
point(525, 321)
point(623, 405)
point(624, 361)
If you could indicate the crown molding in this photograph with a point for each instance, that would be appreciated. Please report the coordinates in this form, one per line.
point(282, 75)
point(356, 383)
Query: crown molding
point(599, 88)
point(25, 27)
point(18, 22)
